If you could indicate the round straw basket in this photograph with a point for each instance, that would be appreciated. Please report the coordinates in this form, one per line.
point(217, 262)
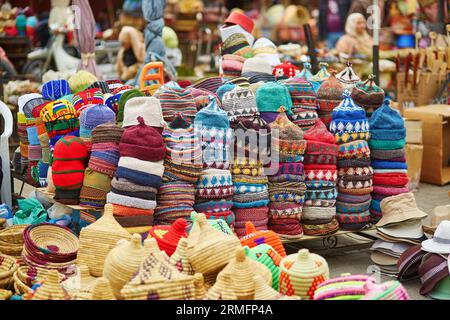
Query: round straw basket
point(13, 235)
point(8, 265)
point(5, 294)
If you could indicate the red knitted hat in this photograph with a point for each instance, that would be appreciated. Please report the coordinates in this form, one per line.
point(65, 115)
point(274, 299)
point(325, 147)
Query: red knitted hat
point(37, 110)
point(68, 175)
point(390, 179)
point(169, 236)
point(70, 148)
point(320, 133)
point(286, 69)
point(142, 142)
point(241, 20)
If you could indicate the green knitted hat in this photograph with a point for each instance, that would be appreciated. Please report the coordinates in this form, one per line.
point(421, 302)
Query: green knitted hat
point(123, 100)
point(271, 96)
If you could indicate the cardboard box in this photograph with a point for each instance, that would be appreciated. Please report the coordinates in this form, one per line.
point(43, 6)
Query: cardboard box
point(436, 141)
point(414, 157)
point(413, 131)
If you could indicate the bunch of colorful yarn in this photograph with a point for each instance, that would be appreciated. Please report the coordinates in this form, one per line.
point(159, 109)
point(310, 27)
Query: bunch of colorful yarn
point(270, 97)
point(102, 165)
point(355, 183)
point(251, 196)
point(287, 188)
point(387, 146)
point(329, 96)
point(319, 212)
point(304, 104)
point(68, 168)
point(183, 166)
point(138, 177)
point(368, 95)
point(240, 104)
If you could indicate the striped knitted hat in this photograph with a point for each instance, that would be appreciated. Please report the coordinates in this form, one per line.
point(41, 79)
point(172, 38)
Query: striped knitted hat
point(87, 98)
point(175, 101)
point(240, 104)
point(368, 95)
point(237, 44)
point(55, 89)
point(329, 96)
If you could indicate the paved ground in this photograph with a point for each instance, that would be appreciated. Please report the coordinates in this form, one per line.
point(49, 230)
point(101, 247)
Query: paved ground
point(358, 261)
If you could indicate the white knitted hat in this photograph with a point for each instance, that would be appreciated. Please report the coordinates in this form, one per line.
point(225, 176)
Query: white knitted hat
point(257, 64)
point(148, 108)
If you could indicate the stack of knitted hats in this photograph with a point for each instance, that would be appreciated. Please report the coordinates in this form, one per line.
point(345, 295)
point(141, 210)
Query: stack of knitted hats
point(267, 50)
point(251, 196)
point(319, 212)
point(387, 145)
point(287, 188)
point(177, 100)
point(235, 50)
point(68, 168)
point(368, 95)
point(257, 69)
point(102, 165)
point(138, 177)
point(92, 117)
point(270, 97)
point(183, 166)
point(232, 66)
point(351, 129)
point(239, 103)
point(149, 108)
point(304, 104)
point(329, 96)
point(214, 189)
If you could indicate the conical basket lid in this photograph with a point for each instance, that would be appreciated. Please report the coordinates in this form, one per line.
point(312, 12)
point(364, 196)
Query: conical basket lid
point(50, 289)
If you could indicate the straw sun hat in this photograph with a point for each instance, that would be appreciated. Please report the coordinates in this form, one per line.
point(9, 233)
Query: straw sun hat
point(438, 215)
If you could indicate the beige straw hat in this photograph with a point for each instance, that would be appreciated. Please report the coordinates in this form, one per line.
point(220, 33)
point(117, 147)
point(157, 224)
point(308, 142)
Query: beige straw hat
point(301, 273)
point(122, 262)
point(209, 249)
point(438, 215)
point(97, 239)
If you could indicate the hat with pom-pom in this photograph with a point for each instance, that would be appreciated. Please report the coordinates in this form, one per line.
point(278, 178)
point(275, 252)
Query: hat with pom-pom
point(348, 77)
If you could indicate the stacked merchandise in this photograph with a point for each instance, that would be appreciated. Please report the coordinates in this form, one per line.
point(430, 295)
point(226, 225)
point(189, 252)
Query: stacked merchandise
point(183, 166)
point(287, 188)
point(257, 69)
point(267, 50)
point(102, 166)
point(240, 104)
point(91, 117)
point(319, 212)
point(368, 95)
point(304, 104)
point(318, 79)
point(348, 77)
point(398, 230)
point(329, 96)
point(176, 100)
point(68, 168)
point(285, 70)
point(251, 196)
point(355, 183)
point(139, 173)
point(270, 97)
point(235, 50)
point(214, 189)
point(387, 146)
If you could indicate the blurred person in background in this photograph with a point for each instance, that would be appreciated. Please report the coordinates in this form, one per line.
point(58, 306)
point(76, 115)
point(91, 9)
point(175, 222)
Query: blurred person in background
point(131, 54)
point(332, 16)
point(356, 40)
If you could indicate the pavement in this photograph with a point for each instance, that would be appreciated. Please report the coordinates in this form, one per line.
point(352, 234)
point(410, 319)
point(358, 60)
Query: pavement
point(352, 254)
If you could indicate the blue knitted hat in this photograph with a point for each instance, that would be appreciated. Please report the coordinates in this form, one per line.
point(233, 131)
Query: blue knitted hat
point(55, 89)
point(306, 72)
point(348, 117)
point(96, 115)
point(113, 102)
point(387, 123)
point(271, 96)
point(212, 116)
point(224, 89)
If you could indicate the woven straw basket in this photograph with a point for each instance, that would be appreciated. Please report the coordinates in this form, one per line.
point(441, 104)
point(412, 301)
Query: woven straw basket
point(5, 294)
point(50, 289)
point(180, 259)
point(25, 277)
point(97, 239)
point(81, 282)
point(122, 262)
point(302, 273)
point(266, 292)
point(101, 290)
point(8, 265)
point(222, 289)
point(268, 257)
point(210, 250)
point(13, 234)
point(254, 238)
point(11, 249)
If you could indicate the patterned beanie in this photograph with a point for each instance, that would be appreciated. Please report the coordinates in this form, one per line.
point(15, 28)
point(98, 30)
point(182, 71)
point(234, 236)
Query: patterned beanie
point(387, 124)
point(123, 100)
point(285, 70)
point(224, 89)
point(237, 44)
point(86, 98)
point(60, 118)
point(210, 84)
point(368, 95)
point(349, 121)
point(258, 128)
point(271, 96)
point(322, 147)
point(348, 77)
point(212, 127)
point(149, 108)
point(321, 76)
point(95, 188)
point(94, 116)
point(304, 104)
point(113, 102)
point(101, 85)
point(175, 101)
point(105, 148)
point(232, 66)
point(55, 89)
point(290, 137)
point(239, 103)
point(81, 80)
point(329, 96)
point(267, 50)
point(306, 74)
point(201, 97)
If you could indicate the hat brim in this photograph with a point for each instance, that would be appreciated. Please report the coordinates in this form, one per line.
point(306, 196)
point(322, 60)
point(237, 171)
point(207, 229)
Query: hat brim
point(429, 229)
point(411, 230)
point(434, 247)
point(383, 259)
point(415, 214)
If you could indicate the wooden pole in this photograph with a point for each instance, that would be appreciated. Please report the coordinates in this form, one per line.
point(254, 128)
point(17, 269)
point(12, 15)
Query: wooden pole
point(376, 41)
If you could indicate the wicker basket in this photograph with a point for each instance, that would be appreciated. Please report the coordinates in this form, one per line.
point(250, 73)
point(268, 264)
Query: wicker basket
point(101, 290)
point(122, 262)
point(81, 282)
point(210, 250)
point(8, 265)
point(5, 294)
point(25, 277)
point(200, 288)
point(302, 273)
point(97, 239)
point(222, 289)
point(267, 256)
point(180, 259)
point(50, 289)
point(13, 235)
point(266, 292)
point(11, 249)
point(254, 238)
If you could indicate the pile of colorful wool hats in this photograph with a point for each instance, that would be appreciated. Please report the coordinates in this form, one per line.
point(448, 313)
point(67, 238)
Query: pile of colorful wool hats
point(318, 79)
point(239, 103)
point(304, 104)
point(183, 166)
point(68, 168)
point(214, 188)
point(368, 95)
point(90, 118)
point(235, 50)
point(175, 100)
point(257, 69)
point(319, 211)
point(329, 96)
point(251, 151)
point(387, 145)
point(102, 165)
point(355, 183)
point(287, 188)
point(270, 97)
point(138, 177)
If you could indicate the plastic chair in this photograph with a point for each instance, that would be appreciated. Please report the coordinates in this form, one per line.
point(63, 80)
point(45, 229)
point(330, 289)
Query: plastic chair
point(146, 76)
point(4, 152)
